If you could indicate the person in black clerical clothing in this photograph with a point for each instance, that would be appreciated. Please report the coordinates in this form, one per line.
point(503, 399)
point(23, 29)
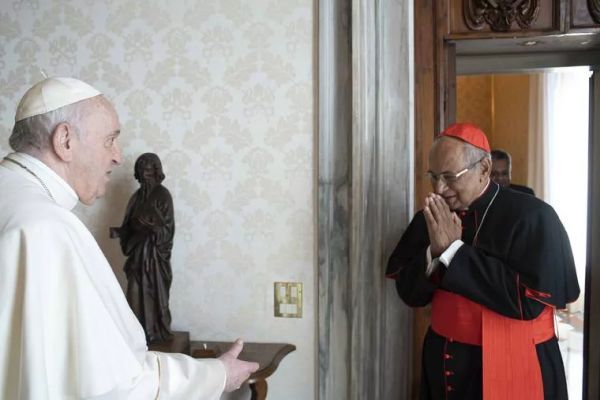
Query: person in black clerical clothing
point(494, 264)
point(502, 170)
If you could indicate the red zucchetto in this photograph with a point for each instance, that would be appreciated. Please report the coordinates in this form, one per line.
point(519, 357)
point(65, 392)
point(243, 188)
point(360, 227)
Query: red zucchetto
point(469, 133)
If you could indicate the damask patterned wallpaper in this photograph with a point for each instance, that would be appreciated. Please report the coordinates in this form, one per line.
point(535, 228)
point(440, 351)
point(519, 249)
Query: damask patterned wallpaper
point(222, 90)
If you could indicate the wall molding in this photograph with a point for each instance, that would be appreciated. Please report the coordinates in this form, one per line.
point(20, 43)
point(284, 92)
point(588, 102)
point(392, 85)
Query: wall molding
point(365, 196)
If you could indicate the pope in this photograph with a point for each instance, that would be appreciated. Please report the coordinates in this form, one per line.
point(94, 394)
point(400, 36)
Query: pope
point(66, 330)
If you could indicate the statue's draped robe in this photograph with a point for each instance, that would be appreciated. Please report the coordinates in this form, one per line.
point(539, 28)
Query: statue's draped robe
point(147, 239)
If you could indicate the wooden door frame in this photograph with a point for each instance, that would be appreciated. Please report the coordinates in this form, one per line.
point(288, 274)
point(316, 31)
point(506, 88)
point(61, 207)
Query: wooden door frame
point(591, 346)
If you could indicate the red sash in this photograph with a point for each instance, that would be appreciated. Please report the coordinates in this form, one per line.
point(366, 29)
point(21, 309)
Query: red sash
point(511, 368)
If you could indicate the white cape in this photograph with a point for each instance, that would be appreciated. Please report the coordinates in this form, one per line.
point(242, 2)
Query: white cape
point(66, 330)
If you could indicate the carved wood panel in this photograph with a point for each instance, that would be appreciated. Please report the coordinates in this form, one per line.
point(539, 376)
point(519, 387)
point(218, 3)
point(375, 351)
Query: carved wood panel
point(594, 8)
point(500, 14)
point(585, 14)
point(490, 18)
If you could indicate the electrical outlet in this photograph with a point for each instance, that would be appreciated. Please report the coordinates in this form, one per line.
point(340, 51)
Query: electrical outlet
point(288, 299)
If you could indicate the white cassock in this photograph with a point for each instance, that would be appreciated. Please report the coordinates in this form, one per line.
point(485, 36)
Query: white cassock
point(66, 330)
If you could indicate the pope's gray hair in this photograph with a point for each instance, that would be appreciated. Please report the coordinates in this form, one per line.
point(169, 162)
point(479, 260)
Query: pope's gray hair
point(33, 133)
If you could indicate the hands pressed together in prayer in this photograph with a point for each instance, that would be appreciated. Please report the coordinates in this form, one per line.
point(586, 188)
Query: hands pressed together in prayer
point(443, 225)
point(237, 371)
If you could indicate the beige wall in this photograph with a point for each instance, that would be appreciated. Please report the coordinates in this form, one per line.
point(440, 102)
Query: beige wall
point(474, 101)
point(500, 105)
point(511, 121)
point(222, 90)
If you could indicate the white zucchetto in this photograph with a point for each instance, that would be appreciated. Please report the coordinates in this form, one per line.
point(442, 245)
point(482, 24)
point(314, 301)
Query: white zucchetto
point(51, 94)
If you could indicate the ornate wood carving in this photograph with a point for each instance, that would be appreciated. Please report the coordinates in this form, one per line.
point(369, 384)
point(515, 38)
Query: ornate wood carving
point(594, 7)
point(500, 14)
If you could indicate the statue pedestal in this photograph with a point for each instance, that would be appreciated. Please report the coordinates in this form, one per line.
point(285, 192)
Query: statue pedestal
point(180, 343)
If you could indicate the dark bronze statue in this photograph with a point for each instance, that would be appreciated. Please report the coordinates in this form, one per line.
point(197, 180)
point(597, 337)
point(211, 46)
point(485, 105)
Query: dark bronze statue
point(146, 237)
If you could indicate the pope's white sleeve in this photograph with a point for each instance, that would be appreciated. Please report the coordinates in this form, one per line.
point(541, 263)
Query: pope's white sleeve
point(173, 376)
point(184, 377)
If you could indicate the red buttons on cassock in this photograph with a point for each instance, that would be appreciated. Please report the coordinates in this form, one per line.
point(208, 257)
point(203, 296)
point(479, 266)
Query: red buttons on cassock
point(449, 388)
point(449, 373)
point(447, 356)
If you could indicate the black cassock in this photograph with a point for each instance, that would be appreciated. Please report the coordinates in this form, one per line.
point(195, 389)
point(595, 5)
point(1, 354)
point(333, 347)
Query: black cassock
point(521, 245)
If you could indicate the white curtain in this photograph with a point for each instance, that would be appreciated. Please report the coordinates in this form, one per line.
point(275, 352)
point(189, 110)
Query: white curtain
point(537, 170)
point(558, 151)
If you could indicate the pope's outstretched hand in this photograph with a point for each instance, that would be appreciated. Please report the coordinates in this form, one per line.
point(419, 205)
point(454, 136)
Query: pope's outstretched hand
point(237, 371)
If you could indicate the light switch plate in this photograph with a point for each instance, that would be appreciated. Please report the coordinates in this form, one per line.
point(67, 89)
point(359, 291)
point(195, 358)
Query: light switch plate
point(288, 299)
